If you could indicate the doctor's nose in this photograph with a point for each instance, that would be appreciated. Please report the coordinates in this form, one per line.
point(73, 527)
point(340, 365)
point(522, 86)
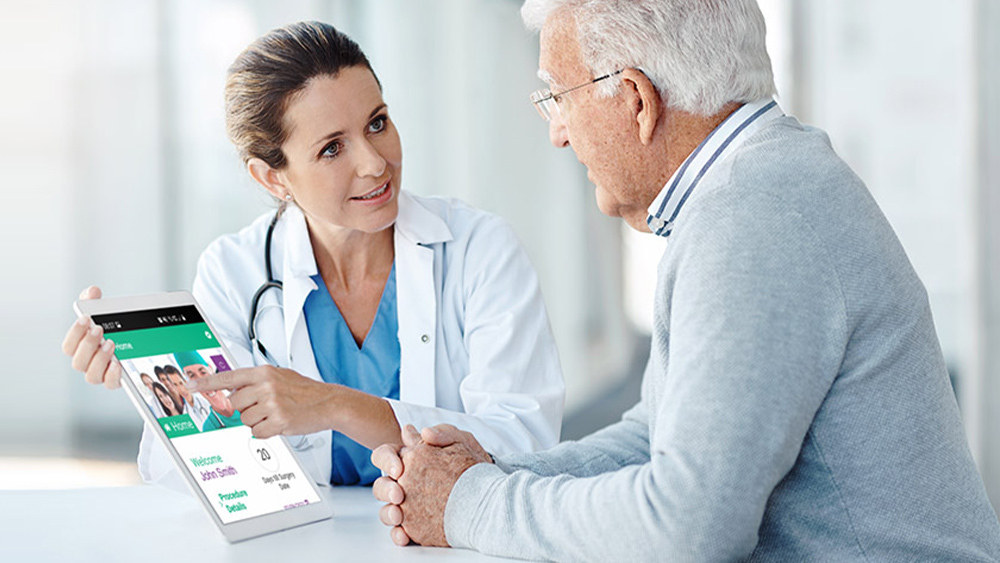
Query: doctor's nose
point(558, 135)
point(370, 162)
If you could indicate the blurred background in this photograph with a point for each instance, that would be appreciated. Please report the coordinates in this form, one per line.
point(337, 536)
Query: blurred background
point(118, 172)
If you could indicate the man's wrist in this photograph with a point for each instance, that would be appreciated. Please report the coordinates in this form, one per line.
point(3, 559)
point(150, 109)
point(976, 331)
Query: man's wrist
point(465, 501)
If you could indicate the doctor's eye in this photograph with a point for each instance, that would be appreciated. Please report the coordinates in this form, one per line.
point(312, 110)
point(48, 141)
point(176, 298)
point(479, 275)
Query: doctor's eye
point(331, 150)
point(378, 124)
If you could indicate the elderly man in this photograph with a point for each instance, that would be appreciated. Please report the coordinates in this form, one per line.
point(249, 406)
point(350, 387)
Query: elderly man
point(795, 406)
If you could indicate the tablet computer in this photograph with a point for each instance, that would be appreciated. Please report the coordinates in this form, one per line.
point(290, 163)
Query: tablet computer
point(248, 486)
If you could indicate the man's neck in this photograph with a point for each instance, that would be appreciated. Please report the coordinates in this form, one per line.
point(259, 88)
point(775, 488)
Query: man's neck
point(681, 133)
point(685, 131)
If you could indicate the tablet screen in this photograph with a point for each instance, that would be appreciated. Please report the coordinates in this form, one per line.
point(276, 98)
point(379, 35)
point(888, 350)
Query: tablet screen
point(241, 476)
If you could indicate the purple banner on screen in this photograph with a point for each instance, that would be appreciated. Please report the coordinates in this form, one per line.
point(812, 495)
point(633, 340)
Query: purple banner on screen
point(220, 363)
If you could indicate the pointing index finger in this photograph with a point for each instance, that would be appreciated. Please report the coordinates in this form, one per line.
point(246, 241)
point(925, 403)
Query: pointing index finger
point(222, 380)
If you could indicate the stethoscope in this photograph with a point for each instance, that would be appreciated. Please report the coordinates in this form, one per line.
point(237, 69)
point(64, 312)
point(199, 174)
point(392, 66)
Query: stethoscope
point(303, 443)
point(271, 283)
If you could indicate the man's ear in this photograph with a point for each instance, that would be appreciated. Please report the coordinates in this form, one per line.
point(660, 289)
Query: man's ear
point(272, 180)
point(647, 102)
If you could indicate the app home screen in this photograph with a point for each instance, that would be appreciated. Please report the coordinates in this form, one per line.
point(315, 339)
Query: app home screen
point(242, 476)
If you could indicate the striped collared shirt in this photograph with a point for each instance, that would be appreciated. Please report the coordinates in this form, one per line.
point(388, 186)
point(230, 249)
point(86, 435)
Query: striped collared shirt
point(722, 141)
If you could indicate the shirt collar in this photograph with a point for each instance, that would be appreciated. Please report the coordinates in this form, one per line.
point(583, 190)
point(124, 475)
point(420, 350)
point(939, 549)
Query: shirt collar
point(299, 259)
point(418, 224)
point(722, 141)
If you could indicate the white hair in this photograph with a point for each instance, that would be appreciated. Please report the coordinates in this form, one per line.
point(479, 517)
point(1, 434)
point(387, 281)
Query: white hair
point(700, 54)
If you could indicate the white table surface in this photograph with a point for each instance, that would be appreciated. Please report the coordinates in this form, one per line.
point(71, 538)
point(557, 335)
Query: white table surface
point(148, 524)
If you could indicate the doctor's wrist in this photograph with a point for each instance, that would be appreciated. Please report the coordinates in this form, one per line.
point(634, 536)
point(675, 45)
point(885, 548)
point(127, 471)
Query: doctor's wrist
point(364, 418)
point(336, 408)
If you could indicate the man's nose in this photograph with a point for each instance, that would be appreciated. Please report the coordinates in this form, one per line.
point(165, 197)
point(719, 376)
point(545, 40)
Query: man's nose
point(557, 130)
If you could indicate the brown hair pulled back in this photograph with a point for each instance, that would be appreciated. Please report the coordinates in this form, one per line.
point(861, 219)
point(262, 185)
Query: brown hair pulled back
point(267, 73)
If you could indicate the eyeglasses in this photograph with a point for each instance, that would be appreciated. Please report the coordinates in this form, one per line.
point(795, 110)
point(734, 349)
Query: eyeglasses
point(547, 103)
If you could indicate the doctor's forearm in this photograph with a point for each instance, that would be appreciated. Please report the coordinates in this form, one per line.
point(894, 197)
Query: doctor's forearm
point(364, 418)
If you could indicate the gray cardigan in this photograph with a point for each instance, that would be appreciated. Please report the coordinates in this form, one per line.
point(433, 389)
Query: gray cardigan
point(795, 406)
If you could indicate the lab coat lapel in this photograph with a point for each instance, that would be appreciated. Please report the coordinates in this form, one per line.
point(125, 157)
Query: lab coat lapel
point(299, 265)
point(417, 298)
point(416, 302)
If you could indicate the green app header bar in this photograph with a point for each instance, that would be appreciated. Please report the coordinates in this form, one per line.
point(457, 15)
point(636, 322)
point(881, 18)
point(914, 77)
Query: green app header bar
point(162, 340)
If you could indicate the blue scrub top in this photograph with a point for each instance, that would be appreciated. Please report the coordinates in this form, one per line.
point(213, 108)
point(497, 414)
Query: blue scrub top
point(374, 368)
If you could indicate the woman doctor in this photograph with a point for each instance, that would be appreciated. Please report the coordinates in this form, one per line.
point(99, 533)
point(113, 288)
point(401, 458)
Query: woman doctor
point(393, 309)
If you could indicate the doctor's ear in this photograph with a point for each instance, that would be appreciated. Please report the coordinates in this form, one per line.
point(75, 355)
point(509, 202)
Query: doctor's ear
point(647, 105)
point(271, 179)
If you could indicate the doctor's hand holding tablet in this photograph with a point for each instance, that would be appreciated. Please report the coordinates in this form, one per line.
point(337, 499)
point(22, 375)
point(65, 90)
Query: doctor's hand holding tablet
point(356, 308)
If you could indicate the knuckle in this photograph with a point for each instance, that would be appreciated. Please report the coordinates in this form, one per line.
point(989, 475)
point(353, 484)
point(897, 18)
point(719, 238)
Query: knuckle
point(384, 493)
point(114, 375)
point(106, 351)
point(386, 516)
point(395, 494)
point(68, 345)
point(399, 536)
point(82, 360)
point(395, 514)
point(240, 404)
point(94, 377)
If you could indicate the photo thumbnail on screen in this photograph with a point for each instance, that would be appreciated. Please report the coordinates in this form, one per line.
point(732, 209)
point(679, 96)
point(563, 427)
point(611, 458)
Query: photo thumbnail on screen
point(162, 378)
point(160, 351)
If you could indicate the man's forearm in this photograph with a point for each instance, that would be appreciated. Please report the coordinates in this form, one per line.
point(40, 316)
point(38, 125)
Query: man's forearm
point(619, 445)
point(621, 516)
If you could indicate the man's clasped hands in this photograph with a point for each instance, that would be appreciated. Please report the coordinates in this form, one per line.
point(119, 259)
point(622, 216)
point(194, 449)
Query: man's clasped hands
point(419, 476)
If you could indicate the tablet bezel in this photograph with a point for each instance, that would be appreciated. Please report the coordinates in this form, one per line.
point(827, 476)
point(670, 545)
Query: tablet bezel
point(234, 531)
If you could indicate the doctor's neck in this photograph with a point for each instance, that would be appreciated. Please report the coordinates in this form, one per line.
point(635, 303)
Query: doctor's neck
point(347, 257)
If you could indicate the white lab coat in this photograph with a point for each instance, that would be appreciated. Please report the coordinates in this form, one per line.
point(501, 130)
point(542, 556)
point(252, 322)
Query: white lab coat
point(476, 347)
